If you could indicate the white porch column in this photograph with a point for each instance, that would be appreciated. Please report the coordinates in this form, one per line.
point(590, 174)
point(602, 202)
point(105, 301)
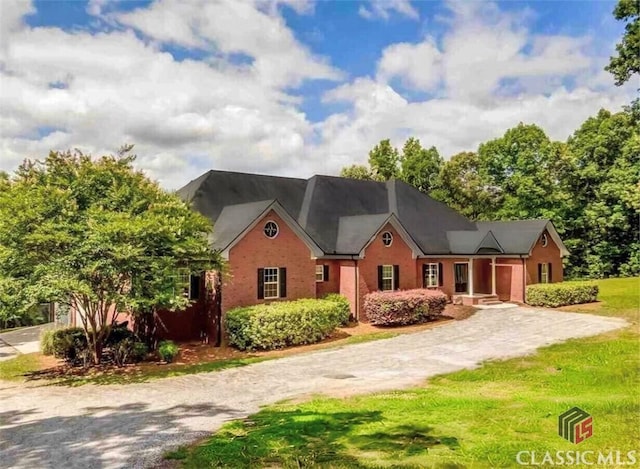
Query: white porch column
point(493, 276)
point(470, 277)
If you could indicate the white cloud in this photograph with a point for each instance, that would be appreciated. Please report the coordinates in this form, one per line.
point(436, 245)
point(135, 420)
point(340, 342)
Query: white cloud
point(278, 58)
point(98, 90)
point(418, 65)
point(489, 71)
point(381, 9)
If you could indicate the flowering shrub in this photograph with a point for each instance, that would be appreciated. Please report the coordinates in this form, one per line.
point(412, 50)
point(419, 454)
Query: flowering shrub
point(553, 295)
point(400, 308)
point(266, 327)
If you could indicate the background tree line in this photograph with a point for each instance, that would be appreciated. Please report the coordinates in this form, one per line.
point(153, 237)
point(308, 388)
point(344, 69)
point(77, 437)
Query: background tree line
point(588, 186)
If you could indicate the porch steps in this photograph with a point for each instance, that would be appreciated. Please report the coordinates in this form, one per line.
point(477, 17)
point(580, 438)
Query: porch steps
point(489, 300)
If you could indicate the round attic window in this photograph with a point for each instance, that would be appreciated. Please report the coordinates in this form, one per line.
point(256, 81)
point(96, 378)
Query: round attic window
point(387, 238)
point(271, 229)
point(544, 240)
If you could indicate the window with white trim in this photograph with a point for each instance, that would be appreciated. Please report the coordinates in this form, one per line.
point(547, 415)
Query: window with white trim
point(189, 283)
point(319, 273)
point(431, 275)
point(544, 273)
point(271, 283)
point(387, 277)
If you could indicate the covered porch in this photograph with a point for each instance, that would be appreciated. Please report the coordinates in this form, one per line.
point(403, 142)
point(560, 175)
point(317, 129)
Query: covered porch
point(483, 280)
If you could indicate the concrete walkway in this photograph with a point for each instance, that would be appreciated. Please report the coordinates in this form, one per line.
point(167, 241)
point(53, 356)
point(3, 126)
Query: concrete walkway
point(132, 425)
point(21, 340)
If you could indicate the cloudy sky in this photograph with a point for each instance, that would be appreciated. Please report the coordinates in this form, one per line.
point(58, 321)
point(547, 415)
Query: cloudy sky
point(293, 87)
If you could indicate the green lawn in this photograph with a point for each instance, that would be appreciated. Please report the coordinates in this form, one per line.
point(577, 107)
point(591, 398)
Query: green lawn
point(16, 368)
point(478, 418)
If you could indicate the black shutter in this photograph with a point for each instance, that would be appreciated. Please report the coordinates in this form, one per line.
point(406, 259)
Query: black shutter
point(549, 271)
point(194, 281)
point(326, 272)
point(425, 268)
point(440, 275)
point(283, 282)
point(539, 273)
point(261, 284)
point(379, 277)
point(396, 277)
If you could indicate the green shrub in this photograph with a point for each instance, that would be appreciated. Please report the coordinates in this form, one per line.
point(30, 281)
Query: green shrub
point(552, 295)
point(343, 304)
point(139, 352)
point(118, 334)
point(70, 344)
point(46, 342)
point(168, 350)
point(279, 324)
point(128, 350)
point(404, 307)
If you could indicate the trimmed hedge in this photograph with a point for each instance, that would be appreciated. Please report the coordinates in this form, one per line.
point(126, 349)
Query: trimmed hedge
point(553, 295)
point(404, 307)
point(280, 324)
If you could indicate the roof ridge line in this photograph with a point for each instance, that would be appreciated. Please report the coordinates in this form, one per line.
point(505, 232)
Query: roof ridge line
point(303, 217)
point(392, 196)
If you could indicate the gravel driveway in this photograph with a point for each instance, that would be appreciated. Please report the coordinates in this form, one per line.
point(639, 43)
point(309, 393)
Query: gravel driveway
point(131, 425)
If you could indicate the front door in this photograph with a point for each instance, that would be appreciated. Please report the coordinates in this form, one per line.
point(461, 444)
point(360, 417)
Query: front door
point(461, 272)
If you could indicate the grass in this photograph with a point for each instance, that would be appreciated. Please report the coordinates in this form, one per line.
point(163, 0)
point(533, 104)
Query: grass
point(16, 368)
point(618, 297)
point(472, 418)
point(359, 339)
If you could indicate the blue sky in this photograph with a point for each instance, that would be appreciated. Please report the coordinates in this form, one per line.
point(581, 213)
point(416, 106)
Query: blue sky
point(294, 87)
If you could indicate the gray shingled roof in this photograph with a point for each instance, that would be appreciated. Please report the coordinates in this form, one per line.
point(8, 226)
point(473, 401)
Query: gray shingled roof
point(354, 232)
point(515, 237)
point(234, 219)
point(340, 215)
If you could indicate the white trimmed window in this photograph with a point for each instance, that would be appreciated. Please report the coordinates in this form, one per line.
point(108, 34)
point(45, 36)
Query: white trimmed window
point(387, 277)
point(271, 283)
point(320, 273)
point(431, 275)
point(190, 284)
point(544, 273)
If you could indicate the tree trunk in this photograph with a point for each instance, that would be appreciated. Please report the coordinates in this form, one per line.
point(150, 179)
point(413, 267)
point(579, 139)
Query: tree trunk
point(96, 351)
point(145, 328)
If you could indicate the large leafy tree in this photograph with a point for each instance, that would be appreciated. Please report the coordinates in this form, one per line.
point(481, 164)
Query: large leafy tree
point(383, 160)
point(462, 185)
point(99, 236)
point(419, 166)
point(627, 61)
point(605, 196)
point(525, 168)
point(356, 171)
